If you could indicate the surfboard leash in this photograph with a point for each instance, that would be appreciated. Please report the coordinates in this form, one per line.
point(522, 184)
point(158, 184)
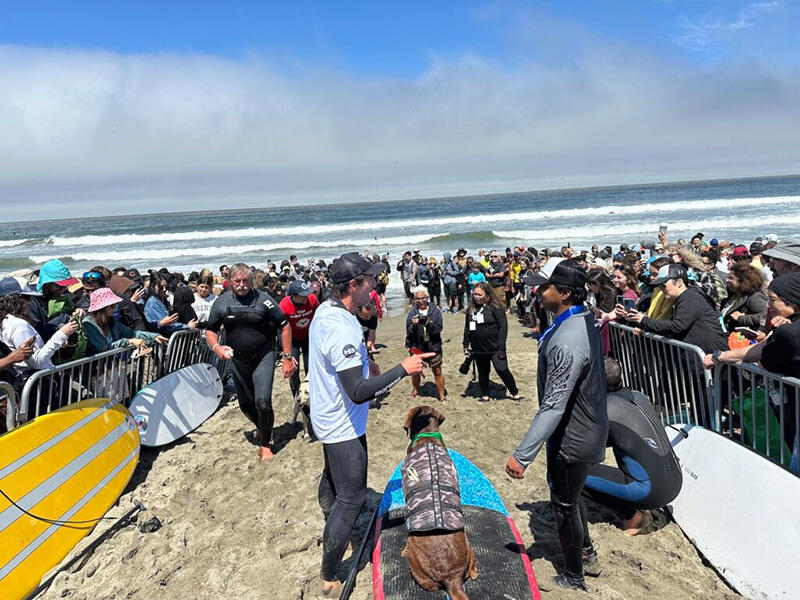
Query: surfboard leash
point(62, 522)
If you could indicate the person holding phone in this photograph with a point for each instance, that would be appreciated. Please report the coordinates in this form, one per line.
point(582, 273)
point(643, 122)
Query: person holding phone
point(17, 333)
point(157, 307)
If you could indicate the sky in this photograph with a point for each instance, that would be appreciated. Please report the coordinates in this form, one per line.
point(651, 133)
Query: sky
point(119, 107)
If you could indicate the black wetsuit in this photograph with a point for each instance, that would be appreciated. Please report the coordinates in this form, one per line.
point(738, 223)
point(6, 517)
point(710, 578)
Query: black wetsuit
point(251, 323)
point(649, 475)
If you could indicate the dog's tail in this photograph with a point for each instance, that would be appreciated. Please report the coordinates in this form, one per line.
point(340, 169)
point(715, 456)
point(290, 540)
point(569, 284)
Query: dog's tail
point(455, 590)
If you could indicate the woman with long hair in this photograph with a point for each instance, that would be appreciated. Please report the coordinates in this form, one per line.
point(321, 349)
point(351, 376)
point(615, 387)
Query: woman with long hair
point(485, 334)
point(104, 332)
point(746, 303)
point(603, 292)
point(625, 281)
point(157, 307)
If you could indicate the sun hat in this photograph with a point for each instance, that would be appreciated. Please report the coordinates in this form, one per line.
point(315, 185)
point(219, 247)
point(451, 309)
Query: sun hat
point(55, 271)
point(101, 298)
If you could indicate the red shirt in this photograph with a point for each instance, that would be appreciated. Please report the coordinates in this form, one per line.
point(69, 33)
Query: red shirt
point(299, 316)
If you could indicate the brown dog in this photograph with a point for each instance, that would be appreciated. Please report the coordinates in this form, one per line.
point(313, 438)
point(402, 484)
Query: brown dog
point(439, 558)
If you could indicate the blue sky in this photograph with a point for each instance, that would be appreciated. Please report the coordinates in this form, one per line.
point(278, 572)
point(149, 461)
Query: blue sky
point(144, 104)
point(400, 39)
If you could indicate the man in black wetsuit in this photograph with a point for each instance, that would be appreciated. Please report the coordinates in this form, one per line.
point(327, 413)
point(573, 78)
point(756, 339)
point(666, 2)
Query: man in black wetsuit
point(572, 418)
point(251, 319)
point(342, 381)
point(648, 474)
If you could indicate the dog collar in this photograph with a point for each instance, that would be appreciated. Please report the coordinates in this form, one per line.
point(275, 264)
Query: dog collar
point(431, 434)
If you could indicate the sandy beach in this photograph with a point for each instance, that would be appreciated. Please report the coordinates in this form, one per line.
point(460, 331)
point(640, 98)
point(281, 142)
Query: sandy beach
point(233, 528)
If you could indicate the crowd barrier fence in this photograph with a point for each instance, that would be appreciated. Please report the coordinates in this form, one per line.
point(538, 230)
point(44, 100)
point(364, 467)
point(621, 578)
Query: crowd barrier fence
point(756, 408)
point(669, 372)
point(9, 396)
point(117, 374)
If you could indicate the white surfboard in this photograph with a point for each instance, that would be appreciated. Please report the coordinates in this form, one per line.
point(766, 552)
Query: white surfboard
point(741, 511)
point(176, 404)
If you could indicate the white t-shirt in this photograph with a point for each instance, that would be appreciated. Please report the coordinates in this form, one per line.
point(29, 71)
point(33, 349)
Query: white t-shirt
point(336, 343)
point(15, 331)
point(202, 306)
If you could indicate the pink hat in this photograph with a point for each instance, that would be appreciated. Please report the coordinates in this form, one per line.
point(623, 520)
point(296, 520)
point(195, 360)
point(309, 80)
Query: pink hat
point(101, 298)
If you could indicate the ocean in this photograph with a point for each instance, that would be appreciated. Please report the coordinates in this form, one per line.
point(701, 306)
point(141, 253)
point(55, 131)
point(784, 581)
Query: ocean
point(737, 210)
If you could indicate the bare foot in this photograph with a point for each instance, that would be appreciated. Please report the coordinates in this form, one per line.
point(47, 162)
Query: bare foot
point(639, 522)
point(443, 400)
point(330, 588)
point(414, 393)
point(484, 398)
point(265, 453)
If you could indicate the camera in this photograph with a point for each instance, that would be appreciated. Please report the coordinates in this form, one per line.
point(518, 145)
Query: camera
point(464, 368)
point(422, 319)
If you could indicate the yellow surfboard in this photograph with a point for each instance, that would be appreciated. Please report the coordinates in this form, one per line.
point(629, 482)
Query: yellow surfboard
point(68, 465)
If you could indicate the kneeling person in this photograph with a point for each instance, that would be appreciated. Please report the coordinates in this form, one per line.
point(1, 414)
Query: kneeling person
point(648, 475)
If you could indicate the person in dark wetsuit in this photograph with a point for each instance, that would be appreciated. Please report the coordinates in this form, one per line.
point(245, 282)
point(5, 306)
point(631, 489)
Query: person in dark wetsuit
point(647, 475)
point(572, 419)
point(251, 320)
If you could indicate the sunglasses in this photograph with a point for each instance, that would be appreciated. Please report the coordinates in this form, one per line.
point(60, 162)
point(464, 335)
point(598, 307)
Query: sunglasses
point(92, 275)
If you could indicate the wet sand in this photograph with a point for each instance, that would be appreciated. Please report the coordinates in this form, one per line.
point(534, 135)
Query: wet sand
point(233, 528)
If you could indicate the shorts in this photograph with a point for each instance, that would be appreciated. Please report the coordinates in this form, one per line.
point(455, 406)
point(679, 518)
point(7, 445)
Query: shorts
point(436, 361)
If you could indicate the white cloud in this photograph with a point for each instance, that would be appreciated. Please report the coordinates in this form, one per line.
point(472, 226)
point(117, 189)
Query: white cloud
point(96, 133)
point(701, 34)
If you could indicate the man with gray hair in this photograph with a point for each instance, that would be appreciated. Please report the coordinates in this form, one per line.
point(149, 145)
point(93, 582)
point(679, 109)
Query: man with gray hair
point(251, 319)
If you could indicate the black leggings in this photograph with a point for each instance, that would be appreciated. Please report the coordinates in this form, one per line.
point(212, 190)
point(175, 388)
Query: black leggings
point(566, 482)
point(297, 347)
point(342, 493)
point(253, 381)
point(483, 363)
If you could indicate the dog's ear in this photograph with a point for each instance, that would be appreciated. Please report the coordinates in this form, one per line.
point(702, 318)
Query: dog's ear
point(410, 418)
point(436, 415)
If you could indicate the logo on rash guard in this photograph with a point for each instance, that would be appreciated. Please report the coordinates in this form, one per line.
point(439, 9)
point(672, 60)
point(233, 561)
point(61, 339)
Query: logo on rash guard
point(349, 351)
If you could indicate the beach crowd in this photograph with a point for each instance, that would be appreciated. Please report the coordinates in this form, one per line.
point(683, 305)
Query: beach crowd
point(735, 302)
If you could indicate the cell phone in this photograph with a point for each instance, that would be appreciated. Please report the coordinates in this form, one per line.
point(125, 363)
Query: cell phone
point(621, 300)
point(629, 303)
point(750, 334)
point(662, 229)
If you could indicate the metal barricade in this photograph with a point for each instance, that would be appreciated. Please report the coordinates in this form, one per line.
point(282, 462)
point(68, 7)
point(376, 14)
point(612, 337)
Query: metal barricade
point(8, 395)
point(760, 410)
point(189, 347)
point(669, 372)
point(117, 374)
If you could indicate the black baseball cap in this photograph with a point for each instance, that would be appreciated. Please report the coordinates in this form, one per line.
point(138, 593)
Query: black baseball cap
point(351, 265)
point(566, 273)
point(670, 271)
point(299, 288)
